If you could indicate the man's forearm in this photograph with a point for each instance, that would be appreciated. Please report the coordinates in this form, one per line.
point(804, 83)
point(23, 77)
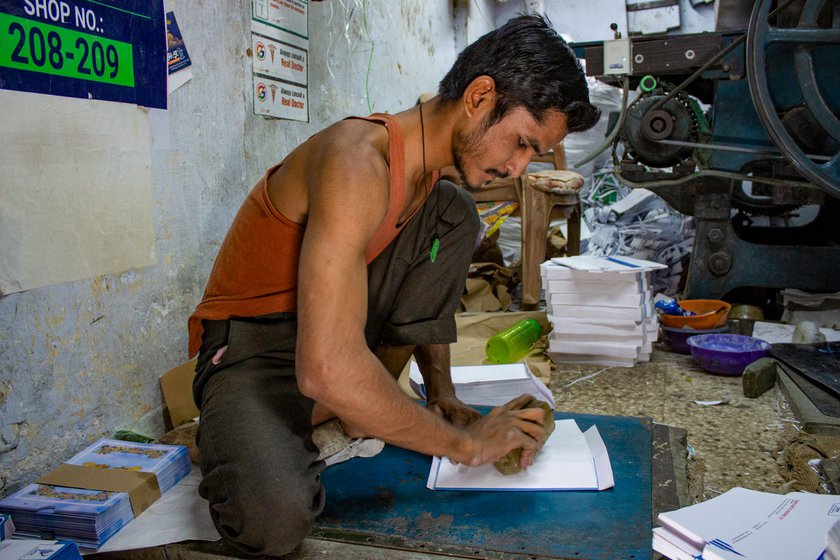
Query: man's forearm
point(434, 361)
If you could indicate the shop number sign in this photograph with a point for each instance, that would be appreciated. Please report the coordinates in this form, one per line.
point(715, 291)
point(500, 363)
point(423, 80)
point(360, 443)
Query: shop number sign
point(91, 49)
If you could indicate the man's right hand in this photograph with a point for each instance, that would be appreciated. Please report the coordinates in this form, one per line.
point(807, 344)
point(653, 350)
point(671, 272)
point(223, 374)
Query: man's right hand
point(503, 429)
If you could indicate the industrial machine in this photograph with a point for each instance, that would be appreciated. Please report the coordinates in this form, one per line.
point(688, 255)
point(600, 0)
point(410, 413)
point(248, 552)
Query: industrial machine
point(740, 130)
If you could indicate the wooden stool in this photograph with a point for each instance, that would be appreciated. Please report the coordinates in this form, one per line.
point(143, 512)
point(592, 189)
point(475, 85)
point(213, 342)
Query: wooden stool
point(539, 193)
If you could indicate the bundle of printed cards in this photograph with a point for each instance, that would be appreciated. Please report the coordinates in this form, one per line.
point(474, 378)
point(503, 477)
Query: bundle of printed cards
point(170, 463)
point(34, 549)
point(87, 517)
point(90, 517)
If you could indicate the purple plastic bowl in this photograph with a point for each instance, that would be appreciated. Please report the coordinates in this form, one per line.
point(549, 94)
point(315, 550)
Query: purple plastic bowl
point(678, 338)
point(726, 354)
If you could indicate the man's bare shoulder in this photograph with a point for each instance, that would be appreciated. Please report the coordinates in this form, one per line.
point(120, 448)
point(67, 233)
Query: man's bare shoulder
point(344, 163)
point(346, 176)
point(353, 148)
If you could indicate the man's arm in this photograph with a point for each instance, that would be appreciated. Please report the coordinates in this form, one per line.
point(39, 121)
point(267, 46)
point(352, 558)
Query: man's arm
point(434, 362)
point(347, 201)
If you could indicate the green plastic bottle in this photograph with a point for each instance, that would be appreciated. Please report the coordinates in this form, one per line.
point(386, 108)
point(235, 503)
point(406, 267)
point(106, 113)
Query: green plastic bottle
point(514, 342)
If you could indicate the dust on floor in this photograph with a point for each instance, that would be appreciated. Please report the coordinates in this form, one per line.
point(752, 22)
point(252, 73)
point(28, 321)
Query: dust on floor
point(734, 444)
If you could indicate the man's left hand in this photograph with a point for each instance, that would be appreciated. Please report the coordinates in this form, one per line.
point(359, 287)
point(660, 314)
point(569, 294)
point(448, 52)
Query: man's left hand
point(458, 413)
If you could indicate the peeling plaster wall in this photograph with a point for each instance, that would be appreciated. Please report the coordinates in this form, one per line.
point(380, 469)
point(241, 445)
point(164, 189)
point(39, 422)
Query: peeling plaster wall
point(81, 360)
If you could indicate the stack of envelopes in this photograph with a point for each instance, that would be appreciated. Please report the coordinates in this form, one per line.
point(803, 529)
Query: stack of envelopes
point(601, 309)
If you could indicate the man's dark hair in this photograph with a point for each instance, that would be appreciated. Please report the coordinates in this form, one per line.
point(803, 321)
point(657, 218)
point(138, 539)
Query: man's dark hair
point(533, 68)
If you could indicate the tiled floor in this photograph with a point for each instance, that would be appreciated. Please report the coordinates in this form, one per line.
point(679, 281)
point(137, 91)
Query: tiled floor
point(736, 443)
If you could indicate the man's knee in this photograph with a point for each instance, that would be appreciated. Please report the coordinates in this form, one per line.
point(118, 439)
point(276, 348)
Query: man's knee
point(268, 518)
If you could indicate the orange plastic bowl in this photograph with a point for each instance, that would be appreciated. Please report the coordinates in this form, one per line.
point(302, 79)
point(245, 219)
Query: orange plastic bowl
point(710, 314)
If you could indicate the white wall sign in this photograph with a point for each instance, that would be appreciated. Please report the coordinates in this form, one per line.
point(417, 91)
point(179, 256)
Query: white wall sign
point(274, 98)
point(280, 53)
point(279, 60)
point(288, 15)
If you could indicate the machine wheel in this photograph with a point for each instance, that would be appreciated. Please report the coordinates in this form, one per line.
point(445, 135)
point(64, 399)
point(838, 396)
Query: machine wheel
point(806, 36)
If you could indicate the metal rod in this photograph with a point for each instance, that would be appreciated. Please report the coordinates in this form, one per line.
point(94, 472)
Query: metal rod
point(741, 149)
point(708, 173)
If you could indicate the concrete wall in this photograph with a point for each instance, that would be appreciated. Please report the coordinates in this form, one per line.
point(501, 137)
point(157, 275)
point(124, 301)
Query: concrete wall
point(81, 359)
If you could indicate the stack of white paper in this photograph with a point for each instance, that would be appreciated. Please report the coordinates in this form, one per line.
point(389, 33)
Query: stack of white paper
point(748, 525)
point(569, 460)
point(601, 309)
point(491, 385)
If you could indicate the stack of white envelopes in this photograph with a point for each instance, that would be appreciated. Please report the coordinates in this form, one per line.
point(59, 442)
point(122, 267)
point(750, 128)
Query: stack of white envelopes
point(743, 524)
point(601, 309)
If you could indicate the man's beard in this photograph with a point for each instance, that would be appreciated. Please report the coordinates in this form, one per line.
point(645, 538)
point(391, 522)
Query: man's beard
point(468, 143)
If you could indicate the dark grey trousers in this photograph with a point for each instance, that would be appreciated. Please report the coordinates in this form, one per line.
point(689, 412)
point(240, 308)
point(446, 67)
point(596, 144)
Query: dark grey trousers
point(260, 470)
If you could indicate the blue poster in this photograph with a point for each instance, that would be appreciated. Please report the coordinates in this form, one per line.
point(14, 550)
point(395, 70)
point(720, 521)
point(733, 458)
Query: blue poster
point(113, 50)
point(177, 57)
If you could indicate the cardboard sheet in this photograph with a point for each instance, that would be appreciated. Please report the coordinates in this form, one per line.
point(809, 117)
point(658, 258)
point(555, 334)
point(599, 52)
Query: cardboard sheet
point(176, 386)
point(142, 487)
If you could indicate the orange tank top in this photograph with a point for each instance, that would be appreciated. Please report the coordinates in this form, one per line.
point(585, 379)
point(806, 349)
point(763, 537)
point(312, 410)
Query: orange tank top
point(256, 270)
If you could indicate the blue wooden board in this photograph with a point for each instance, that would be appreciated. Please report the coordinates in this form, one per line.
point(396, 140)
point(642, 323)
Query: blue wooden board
point(384, 500)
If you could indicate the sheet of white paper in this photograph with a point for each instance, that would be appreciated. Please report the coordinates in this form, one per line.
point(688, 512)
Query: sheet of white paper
point(476, 374)
point(607, 264)
point(77, 189)
point(775, 333)
point(603, 468)
point(178, 515)
point(597, 284)
point(490, 385)
point(566, 462)
point(178, 79)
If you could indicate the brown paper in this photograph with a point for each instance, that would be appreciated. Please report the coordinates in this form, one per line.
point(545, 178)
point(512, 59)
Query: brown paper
point(176, 386)
point(142, 487)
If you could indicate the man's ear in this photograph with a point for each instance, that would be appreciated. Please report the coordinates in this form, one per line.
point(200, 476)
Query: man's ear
point(479, 96)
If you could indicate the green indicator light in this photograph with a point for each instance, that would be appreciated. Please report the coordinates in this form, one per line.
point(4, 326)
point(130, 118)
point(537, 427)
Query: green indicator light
point(48, 49)
point(648, 84)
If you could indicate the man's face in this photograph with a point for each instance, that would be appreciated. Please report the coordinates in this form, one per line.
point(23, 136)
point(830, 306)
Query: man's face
point(504, 149)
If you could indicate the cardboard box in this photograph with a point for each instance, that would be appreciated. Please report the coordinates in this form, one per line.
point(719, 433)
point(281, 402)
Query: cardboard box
point(176, 386)
point(142, 487)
